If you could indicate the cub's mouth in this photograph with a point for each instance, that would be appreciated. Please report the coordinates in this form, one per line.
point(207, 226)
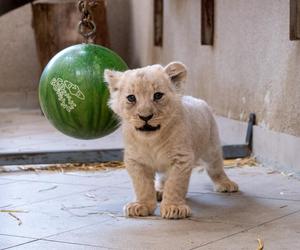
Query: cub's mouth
point(148, 128)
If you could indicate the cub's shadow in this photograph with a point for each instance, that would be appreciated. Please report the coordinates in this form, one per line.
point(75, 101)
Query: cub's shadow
point(237, 208)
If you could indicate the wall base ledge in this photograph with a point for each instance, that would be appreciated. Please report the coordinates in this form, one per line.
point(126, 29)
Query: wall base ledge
point(273, 149)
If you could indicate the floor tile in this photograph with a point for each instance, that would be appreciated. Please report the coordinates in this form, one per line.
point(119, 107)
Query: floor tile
point(281, 234)
point(253, 181)
point(9, 241)
point(55, 216)
point(238, 209)
point(258, 181)
point(25, 192)
point(149, 233)
point(52, 245)
point(112, 177)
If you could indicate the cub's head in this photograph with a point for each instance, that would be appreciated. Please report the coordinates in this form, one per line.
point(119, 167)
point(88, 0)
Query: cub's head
point(146, 99)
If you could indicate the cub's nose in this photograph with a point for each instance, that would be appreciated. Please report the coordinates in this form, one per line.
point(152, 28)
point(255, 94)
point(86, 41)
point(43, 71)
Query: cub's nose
point(146, 118)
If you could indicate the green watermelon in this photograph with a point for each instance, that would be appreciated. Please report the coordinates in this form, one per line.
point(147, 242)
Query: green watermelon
point(72, 92)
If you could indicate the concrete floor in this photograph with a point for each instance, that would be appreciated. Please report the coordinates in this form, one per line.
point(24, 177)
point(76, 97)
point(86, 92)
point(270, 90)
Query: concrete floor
point(83, 210)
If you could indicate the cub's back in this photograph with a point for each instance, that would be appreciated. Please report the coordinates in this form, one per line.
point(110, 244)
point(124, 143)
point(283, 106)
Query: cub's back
point(196, 109)
point(199, 121)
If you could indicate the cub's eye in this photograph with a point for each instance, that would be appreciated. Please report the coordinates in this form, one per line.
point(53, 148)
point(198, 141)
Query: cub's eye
point(131, 98)
point(157, 96)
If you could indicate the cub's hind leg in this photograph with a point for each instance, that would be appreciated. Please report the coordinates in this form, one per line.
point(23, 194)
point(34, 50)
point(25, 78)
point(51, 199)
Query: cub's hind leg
point(215, 166)
point(215, 170)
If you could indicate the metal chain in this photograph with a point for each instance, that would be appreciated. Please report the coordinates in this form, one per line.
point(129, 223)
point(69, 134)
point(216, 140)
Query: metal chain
point(86, 26)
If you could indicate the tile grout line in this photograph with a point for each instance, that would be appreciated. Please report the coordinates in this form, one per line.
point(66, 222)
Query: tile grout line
point(245, 230)
point(74, 243)
point(41, 240)
point(199, 220)
point(19, 236)
point(193, 194)
point(58, 241)
point(10, 182)
point(74, 229)
point(19, 244)
point(51, 182)
point(61, 183)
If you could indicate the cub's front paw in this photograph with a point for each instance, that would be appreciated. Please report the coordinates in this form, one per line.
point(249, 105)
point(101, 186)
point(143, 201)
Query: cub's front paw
point(134, 209)
point(226, 186)
point(169, 211)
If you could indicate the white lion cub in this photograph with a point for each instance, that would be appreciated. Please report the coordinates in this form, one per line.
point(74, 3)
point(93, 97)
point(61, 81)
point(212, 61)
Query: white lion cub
point(165, 135)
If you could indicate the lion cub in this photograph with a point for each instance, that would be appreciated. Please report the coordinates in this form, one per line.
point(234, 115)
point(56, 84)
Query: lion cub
point(165, 134)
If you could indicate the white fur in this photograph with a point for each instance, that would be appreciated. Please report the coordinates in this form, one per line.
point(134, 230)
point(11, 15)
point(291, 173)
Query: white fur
point(188, 133)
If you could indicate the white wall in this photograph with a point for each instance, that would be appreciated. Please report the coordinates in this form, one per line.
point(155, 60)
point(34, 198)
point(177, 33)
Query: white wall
point(252, 67)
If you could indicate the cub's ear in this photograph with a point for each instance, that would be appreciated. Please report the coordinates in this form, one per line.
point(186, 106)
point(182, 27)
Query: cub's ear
point(177, 72)
point(112, 78)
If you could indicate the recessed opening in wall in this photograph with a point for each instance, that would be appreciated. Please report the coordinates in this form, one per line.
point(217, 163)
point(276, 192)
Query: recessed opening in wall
point(207, 22)
point(294, 19)
point(158, 22)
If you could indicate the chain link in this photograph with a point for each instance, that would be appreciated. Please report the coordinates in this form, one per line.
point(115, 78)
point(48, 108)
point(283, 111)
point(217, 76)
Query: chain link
point(86, 26)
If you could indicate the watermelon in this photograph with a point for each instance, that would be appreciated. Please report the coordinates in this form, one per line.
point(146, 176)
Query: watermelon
point(72, 92)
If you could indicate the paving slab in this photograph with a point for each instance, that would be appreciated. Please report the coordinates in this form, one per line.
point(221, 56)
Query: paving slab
point(280, 234)
point(149, 233)
point(253, 181)
point(103, 178)
point(238, 209)
point(26, 192)
point(57, 215)
point(39, 222)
